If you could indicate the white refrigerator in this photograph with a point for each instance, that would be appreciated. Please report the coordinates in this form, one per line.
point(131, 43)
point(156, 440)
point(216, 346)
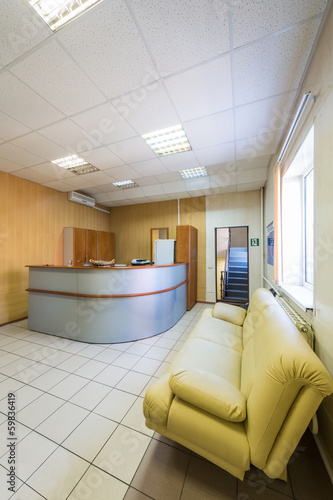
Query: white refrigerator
point(165, 252)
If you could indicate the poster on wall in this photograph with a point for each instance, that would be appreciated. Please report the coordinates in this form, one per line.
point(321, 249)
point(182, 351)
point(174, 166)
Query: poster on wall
point(270, 244)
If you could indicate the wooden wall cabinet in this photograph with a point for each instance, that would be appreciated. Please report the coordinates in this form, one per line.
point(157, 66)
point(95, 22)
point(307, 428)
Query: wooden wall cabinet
point(81, 245)
point(187, 251)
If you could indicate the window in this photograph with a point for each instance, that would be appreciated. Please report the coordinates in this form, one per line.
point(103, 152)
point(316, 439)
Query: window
point(297, 209)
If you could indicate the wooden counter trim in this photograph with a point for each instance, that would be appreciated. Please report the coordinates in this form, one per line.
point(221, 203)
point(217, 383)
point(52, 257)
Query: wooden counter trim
point(84, 295)
point(113, 268)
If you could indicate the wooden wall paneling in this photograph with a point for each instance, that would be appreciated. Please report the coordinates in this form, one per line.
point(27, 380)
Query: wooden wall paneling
point(31, 233)
point(91, 244)
point(105, 245)
point(192, 211)
point(132, 224)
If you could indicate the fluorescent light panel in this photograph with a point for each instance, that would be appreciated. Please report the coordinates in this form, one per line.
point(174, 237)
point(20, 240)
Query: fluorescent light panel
point(125, 184)
point(57, 13)
point(75, 164)
point(168, 141)
point(193, 172)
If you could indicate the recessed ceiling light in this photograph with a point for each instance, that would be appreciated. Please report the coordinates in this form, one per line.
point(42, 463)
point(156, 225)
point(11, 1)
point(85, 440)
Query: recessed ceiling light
point(75, 164)
point(57, 13)
point(125, 184)
point(193, 172)
point(168, 141)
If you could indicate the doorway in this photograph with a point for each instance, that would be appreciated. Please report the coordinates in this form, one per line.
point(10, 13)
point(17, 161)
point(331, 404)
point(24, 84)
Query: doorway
point(232, 264)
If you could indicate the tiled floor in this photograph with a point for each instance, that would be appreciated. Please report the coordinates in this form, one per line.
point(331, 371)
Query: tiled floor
point(81, 433)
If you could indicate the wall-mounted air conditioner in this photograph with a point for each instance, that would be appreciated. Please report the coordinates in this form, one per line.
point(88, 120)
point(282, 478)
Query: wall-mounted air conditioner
point(81, 198)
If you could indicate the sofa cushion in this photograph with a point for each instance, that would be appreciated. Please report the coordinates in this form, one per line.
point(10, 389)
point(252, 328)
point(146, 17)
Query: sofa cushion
point(214, 358)
point(219, 331)
point(209, 392)
point(230, 313)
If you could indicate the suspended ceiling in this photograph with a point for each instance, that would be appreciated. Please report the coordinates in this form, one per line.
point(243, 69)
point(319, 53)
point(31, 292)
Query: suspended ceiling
point(228, 71)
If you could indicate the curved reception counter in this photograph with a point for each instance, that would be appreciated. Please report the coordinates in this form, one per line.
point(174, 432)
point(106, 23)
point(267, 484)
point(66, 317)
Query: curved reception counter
point(106, 305)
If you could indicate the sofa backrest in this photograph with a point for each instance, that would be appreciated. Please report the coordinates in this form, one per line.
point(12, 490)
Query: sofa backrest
point(278, 369)
point(261, 299)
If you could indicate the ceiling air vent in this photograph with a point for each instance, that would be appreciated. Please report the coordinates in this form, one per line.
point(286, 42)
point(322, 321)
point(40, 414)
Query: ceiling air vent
point(81, 198)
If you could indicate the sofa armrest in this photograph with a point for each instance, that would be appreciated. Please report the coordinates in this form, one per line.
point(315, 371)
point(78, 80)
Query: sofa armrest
point(157, 401)
point(209, 392)
point(230, 313)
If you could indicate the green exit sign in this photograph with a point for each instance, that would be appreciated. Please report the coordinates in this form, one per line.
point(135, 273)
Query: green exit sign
point(254, 242)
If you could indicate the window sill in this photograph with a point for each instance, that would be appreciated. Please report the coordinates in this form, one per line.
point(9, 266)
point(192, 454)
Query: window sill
point(303, 297)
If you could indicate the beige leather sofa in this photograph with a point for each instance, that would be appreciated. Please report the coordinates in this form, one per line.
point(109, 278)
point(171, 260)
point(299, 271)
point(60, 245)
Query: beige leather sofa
point(242, 390)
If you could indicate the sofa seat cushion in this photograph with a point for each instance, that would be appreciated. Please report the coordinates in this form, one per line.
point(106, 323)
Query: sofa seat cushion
point(230, 313)
point(219, 360)
point(219, 331)
point(210, 393)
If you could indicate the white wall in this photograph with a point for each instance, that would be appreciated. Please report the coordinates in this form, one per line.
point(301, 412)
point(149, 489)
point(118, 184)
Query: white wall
point(232, 209)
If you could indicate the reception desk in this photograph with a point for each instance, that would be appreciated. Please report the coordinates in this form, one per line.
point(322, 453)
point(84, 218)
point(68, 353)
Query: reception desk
point(106, 305)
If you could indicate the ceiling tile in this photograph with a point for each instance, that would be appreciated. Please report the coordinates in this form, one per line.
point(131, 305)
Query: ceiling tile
point(102, 158)
point(80, 181)
point(147, 109)
point(202, 90)
point(180, 34)
point(68, 134)
point(20, 102)
point(253, 175)
point(117, 195)
point(255, 19)
point(102, 198)
point(216, 154)
point(20, 156)
point(33, 176)
point(59, 186)
point(174, 187)
point(53, 171)
point(264, 116)
point(10, 128)
point(210, 130)
point(41, 146)
point(106, 188)
point(8, 166)
point(105, 124)
point(261, 145)
point(136, 192)
point(278, 69)
point(123, 173)
point(51, 73)
point(257, 162)
point(20, 30)
point(160, 197)
point(180, 161)
point(97, 178)
point(148, 181)
point(153, 190)
point(169, 177)
point(109, 39)
point(132, 150)
point(149, 167)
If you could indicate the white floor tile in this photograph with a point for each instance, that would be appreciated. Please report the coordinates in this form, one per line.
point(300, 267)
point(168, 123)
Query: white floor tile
point(135, 419)
point(123, 453)
point(57, 477)
point(92, 350)
point(126, 360)
point(91, 395)
point(171, 356)
point(111, 375)
point(26, 493)
point(57, 357)
point(17, 366)
point(139, 349)
point(32, 451)
point(98, 485)
point(115, 405)
point(7, 359)
point(90, 436)
point(91, 369)
point(162, 369)
point(68, 387)
point(157, 353)
point(73, 363)
point(28, 375)
point(26, 395)
point(108, 355)
point(133, 382)
point(62, 422)
point(166, 343)
point(49, 379)
point(147, 366)
point(37, 411)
